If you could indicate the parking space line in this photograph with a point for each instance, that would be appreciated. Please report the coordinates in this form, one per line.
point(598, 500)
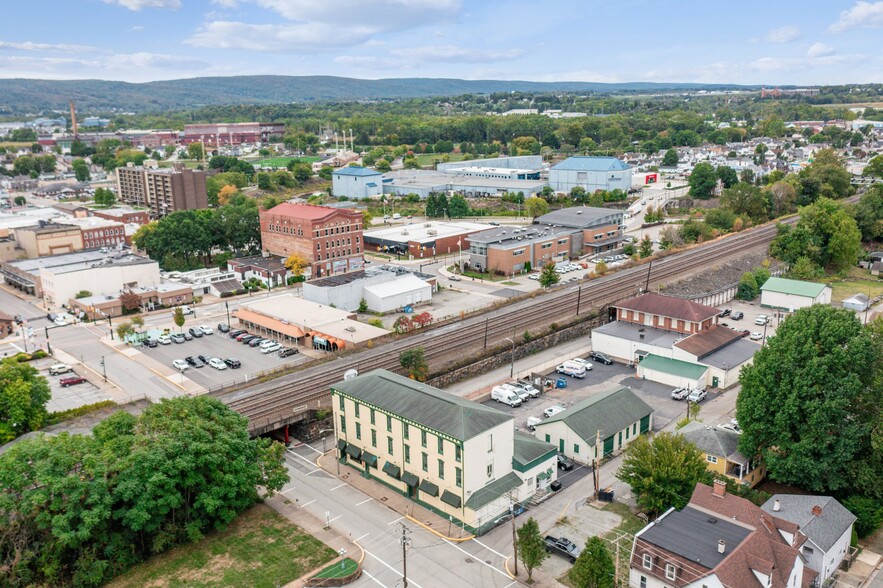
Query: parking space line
point(364, 571)
point(364, 501)
point(394, 522)
point(489, 549)
point(286, 491)
point(338, 486)
point(410, 581)
point(302, 457)
point(334, 519)
point(309, 503)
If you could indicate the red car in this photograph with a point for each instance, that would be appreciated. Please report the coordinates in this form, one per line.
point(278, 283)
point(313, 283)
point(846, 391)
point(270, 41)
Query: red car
point(71, 381)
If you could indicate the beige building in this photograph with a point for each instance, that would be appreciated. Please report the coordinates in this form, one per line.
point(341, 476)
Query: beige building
point(48, 238)
point(458, 458)
point(162, 190)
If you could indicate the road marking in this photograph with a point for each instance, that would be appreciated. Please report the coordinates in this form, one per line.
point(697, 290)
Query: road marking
point(489, 549)
point(364, 571)
point(289, 490)
point(309, 503)
point(410, 581)
point(364, 501)
point(338, 486)
point(313, 448)
point(507, 585)
point(314, 471)
point(362, 537)
point(334, 519)
point(395, 521)
point(302, 457)
point(481, 561)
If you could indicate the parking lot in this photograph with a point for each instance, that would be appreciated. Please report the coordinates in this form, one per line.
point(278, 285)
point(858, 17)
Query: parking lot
point(66, 398)
point(221, 346)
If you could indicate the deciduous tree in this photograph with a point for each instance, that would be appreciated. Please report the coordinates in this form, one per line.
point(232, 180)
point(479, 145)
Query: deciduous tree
point(414, 360)
point(531, 546)
point(645, 249)
point(548, 276)
point(535, 206)
point(594, 567)
point(702, 181)
point(23, 397)
point(296, 264)
point(670, 159)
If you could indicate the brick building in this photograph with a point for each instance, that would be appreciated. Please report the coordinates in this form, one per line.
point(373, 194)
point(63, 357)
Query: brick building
point(329, 239)
point(220, 134)
point(509, 250)
point(162, 190)
point(666, 313)
point(124, 215)
point(593, 230)
point(48, 238)
point(99, 232)
point(421, 240)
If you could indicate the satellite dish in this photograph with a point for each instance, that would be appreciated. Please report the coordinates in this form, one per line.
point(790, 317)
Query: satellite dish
point(350, 374)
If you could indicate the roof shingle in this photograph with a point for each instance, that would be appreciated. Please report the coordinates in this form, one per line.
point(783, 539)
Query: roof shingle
point(610, 411)
point(676, 308)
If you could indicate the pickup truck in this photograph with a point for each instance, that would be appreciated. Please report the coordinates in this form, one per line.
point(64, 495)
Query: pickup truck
point(563, 547)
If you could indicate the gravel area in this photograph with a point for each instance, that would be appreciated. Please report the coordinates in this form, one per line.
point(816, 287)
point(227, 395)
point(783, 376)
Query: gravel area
point(716, 278)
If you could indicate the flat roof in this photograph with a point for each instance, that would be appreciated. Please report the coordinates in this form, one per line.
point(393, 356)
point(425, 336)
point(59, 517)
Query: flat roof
point(677, 367)
point(709, 340)
point(694, 534)
point(428, 179)
point(91, 222)
point(79, 261)
point(591, 163)
point(398, 285)
point(734, 354)
point(512, 237)
point(581, 217)
point(425, 232)
point(373, 271)
point(632, 332)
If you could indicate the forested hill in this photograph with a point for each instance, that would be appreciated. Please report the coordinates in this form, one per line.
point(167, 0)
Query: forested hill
point(22, 96)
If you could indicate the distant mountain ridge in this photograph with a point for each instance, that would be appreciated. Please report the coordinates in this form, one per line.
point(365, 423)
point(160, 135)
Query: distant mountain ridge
point(20, 96)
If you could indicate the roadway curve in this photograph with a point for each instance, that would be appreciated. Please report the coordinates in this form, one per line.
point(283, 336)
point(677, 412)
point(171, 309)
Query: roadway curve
point(288, 399)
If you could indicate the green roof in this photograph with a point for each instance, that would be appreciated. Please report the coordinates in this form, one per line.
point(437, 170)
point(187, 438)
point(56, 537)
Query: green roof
point(609, 412)
point(529, 451)
point(795, 287)
point(422, 404)
point(676, 367)
point(493, 491)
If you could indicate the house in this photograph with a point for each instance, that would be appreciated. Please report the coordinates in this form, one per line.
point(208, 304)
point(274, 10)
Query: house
point(720, 448)
point(789, 295)
point(667, 313)
point(356, 183)
point(674, 372)
point(617, 416)
point(826, 524)
point(456, 457)
point(719, 540)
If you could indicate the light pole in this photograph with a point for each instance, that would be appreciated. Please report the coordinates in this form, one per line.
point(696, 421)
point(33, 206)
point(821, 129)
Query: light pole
point(48, 346)
point(227, 306)
point(103, 369)
point(512, 362)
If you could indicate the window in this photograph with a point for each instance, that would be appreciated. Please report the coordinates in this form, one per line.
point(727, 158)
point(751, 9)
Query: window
point(372, 416)
point(458, 475)
point(518, 252)
point(807, 550)
point(405, 425)
point(407, 454)
point(548, 438)
point(342, 424)
point(441, 469)
point(441, 446)
point(389, 423)
point(490, 470)
point(358, 431)
point(342, 403)
point(457, 454)
point(670, 572)
point(425, 459)
point(711, 458)
point(423, 438)
point(490, 442)
point(576, 447)
point(545, 246)
point(635, 429)
point(373, 438)
point(389, 445)
point(357, 410)
point(644, 582)
point(648, 561)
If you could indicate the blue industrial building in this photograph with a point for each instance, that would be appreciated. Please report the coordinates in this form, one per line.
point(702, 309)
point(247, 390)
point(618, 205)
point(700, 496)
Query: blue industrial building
point(590, 173)
point(356, 182)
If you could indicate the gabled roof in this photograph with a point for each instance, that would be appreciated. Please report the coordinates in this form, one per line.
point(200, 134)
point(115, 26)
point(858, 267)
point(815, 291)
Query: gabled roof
point(357, 171)
point(588, 163)
point(422, 404)
point(714, 441)
point(493, 491)
point(610, 411)
point(709, 340)
point(529, 449)
point(794, 287)
point(676, 308)
point(825, 529)
point(676, 367)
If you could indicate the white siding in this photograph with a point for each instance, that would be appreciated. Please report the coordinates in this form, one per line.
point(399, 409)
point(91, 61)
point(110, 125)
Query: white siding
point(792, 301)
point(671, 379)
point(623, 349)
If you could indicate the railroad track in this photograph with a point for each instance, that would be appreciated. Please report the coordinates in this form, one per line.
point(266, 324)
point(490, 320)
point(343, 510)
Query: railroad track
point(287, 399)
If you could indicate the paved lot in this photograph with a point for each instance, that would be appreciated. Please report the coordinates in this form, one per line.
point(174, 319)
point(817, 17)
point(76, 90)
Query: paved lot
point(70, 396)
point(751, 310)
point(219, 345)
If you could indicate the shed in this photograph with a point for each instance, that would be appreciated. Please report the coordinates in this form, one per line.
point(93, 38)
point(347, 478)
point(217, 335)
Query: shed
point(674, 372)
point(857, 302)
point(790, 295)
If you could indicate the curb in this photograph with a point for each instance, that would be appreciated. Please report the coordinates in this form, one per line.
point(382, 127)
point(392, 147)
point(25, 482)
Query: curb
point(437, 534)
point(506, 567)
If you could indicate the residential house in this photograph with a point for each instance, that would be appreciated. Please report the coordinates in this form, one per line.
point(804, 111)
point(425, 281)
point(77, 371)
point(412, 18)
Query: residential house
point(720, 447)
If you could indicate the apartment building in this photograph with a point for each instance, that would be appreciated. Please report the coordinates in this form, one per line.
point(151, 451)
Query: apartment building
point(329, 239)
point(162, 190)
point(99, 232)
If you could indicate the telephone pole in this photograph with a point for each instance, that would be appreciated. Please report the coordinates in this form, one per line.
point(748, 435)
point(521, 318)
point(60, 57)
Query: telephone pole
point(514, 535)
point(596, 477)
point(406, 541)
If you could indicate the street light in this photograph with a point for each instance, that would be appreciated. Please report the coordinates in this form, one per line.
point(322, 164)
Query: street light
point(512, 362)
point(227, 306)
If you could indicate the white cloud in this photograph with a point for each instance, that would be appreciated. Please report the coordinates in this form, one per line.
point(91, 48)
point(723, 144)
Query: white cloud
point(227, 3)
point(784, 34)
point(30, 46)
point(866, 15)
point(138, 5)
point(372, 62)
point(132, 67)
point(819, 50)
point(387, 15)
point(456, 54)
point(154, 60)
point(283, 38)
point(137, 28)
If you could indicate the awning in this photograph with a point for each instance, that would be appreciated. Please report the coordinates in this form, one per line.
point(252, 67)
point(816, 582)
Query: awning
point(451, 498)
point(319, 340)
point(353, 451)
point(267, 322)
point(369, 458)
point(429, 488)
point(391, 469)
point(410, 479)
point(544, 475)
point(341, 444)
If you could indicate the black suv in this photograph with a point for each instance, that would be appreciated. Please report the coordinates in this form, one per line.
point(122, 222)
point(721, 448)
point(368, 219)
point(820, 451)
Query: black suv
point(194, 361)
point(601, 357)
point(737, 316)
point(233, 363)
point(564, 463)
point(222, 328)
point(725, 312)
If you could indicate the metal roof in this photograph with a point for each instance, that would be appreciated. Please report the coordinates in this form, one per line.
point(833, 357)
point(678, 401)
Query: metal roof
point(581, 217)
point(493, 491)
point(823, 530)
point(588, 163)
point(529, 449)
point(610, 411)
point(422, 404)
point(794, 287)
point(356, 171)
point(677, 367)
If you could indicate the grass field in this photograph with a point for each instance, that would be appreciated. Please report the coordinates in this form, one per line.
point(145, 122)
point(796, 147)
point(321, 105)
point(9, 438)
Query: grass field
point(859, 281)
point(339, 571)
point(430, 158)
point(283, 161)
point(260, 549)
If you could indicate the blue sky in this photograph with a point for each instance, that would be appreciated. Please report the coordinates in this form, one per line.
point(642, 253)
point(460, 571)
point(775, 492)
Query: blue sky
point(714, 41)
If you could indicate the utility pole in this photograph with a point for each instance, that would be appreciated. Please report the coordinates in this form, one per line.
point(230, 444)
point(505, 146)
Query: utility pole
point(48, 346)
point(579, 294)
point(649, 267)
point(406, 541)
point(103, 368)
point(616, 560)
point(227, 306)
point(514, 535)
point(596, 477)
point(485, 331)
point(512, 362)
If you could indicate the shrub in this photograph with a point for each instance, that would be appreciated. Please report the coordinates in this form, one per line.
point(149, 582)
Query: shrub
point(868, 511)
point(39, 354)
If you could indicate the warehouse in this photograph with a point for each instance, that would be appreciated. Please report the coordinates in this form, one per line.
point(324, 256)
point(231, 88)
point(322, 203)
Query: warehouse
point(356, 183)
point(674, 372)
point(421, 240)
point(404, 291)
point(346, 291)
point(591, 174)
point(790, 295)
point(423, 183)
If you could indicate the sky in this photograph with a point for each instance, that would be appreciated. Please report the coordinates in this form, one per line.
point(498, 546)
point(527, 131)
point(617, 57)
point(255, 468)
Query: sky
point(771, 42)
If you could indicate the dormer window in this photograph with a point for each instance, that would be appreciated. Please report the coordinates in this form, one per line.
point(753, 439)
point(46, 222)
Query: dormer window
point(648, 561)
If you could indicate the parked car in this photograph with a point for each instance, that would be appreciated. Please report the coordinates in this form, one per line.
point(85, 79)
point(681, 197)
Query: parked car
point(697, 395)
point(601, 357)
point(743, 332)
point(725, 312)
point(184, 309)
point(217, 363)
point(178, 338)
point(59, 368)
point(552, 411)
point(194, 361)
point(680, 393)
point(572, 369)
point(164, 339)
point(256, 341)
point(206, 330)
point(584, 362)
point(564, 462)
point(245, 337)
point(563, 547)
point(267, 343)
point(71, 381)
point(286, 351)
point(755, 336)
point(151, 343)
point(195, 331)
point(235, 333)
point(203, 358)
point(187, 336)
point(271, 348)
point(517, 509)
point(506, 396)
point(527, 387)
point(761, 319)
point(222, 328)
point(180, 365)
point(233, 363)
point(532, 422)
point(454, 278)
point(734, 427)
point(522, 394)
point(737, 316)
point(62, 320)
point(533, 277)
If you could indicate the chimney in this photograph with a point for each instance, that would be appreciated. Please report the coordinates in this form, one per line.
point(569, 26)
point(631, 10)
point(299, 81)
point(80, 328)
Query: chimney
point(777, 506)
point(817, 510)
point(720, 488)
point(721, 546)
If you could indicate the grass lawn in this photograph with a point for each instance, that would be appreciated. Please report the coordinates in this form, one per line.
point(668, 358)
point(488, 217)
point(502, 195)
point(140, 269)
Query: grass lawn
point(283, 161)
point(482, 275)
point(339, 571)
point(260, 548)
point(859, 281)
point(425, 159)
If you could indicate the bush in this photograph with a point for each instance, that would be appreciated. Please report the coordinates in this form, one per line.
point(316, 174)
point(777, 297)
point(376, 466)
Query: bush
point(39, 354)
point(376, 322)
point(869, 513)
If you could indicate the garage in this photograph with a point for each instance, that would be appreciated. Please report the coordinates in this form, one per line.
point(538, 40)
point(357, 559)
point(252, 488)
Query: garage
point(674, 372)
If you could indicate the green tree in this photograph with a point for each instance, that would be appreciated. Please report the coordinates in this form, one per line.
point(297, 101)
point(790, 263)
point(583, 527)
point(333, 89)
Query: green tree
point(414, 360)
point(196, 151)
point(458, 207)
point(702, 181)
point(808, 403)
point(727, 176)
point(874, 167)
point(670, 159)
point(662, 472)
point(178, 317)
point(19, 200)
point(124, 329)
point(325, 172)
point(594, 568)
point(645, 249)
point(578, 194)
point(534, 207)
point(265, 181)
point(869, 212)
point(104, 197)
point(720, 218)
point(748, 288)
point(382, 165)
point(825, 177)
point(782, 197)
point(81, 170)
point(746, 200)
point(601, 268)
point(805, 269)
point(825, 233)
point(548, 276)
point(531, 546)
point(23, 397)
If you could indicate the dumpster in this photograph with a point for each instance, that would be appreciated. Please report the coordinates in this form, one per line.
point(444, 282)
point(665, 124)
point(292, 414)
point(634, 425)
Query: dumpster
point(606, 495)
point(561, 383)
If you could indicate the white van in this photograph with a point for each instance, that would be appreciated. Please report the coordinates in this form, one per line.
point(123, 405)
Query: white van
point(572, 369)
point(505, 395)
point(396, 216)
point(522, 394)
point(532, 422)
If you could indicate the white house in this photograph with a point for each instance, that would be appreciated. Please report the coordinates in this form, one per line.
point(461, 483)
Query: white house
point(789, 295)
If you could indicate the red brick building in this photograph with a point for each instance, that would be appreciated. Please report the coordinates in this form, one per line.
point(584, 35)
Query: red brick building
point(667, 313)
point(125, 216)
point(330, 239)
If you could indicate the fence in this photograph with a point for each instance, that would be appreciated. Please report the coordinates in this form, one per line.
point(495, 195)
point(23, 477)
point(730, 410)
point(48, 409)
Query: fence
point(725, 294)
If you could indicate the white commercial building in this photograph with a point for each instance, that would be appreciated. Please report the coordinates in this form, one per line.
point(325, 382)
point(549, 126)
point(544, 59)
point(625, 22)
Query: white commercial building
point(397, 285)
point(403, 291)
point(591, 174)
point(356, 183)
point(789, 295)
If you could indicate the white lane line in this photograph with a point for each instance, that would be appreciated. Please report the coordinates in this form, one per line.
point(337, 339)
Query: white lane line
point(410, 581)
point(489, 549)
point(362, 537)
point(364, 571)
point(302, 457)
point(314, 471)
point(481, 561)
point(394, 522)
point(309, 503)
point(313, 448)
point(338, 486)
point(507, 585)
point(286, 491)
point(364, 501)
point(334, 519)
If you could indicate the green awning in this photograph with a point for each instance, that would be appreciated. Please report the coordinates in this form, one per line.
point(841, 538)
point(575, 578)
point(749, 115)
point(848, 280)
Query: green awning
point(429, 488)
point(494, 490)
point(341, 444)
point(450, 498)
point(391, 469)
point(353, 451)
point(410, 479)
point(544, 475)
point(369, 458)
